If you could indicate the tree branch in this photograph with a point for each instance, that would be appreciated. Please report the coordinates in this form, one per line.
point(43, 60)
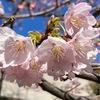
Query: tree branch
point(36, 14)
point(97, 11)
point(46, 86)
point(89, 76)
point(9, 21)
point(67, 96)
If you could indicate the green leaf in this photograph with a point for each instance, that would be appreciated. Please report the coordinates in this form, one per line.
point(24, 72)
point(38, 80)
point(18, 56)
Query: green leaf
point(35, 36)
point(55, 32)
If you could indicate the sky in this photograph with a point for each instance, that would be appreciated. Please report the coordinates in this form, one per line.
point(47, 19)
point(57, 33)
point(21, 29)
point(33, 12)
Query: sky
point(28, 24)
point(34, 23)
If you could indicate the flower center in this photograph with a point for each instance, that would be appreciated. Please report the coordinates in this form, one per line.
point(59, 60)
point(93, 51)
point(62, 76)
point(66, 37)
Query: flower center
point(77, 21)
point(79, 49)
point(19, 45)
point(33, 64)
point(57, 52)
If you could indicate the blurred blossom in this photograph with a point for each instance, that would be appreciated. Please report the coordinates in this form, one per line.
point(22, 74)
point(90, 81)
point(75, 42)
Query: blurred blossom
point(32, 5)
point(1, 9)
point(22, 6)
point(98, 44)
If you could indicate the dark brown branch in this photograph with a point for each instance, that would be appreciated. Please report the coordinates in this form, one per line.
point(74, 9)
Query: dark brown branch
point(95, 64)
point(89, 76)
point(97, 11)
point(17, 9)
point(46, 86)
point(65, 95)
point(15, 12)
point(28, 5)
point(9, 21)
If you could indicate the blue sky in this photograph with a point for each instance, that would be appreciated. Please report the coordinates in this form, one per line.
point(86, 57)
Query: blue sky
point(28, 24)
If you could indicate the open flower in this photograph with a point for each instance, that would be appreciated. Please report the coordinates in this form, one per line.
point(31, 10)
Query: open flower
point(78, 16)
point(84, 49)
point(6, 32)
point(15, 49)
point(30, 72)
point(58, 55)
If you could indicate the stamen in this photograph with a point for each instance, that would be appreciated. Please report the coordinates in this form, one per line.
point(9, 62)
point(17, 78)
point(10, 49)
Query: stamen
point(19, 45)
point(57, 52)
point(77, 21)
point(16, 47)
point(79, 49)
point(33, 64)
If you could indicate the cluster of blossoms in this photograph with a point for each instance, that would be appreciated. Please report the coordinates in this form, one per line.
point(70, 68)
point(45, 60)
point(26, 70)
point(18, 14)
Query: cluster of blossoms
point(25, 64)
point(35, 3)
point(30, 4)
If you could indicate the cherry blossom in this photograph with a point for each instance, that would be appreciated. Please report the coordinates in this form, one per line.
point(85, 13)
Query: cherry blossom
point(16, 48)
point(84, 49)
point(32, 5)
point(30, 72)
point(57, 54)
point(78, 16)
point(22, 7)
point(6, 31)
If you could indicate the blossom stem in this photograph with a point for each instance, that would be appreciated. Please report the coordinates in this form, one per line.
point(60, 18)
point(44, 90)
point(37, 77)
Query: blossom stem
point(35, 43)
point(65, 34)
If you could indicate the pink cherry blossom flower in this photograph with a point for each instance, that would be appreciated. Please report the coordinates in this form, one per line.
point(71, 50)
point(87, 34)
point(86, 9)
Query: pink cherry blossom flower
point(6, 31)
point(84, 49)
point(16, 49)
point(78, 16)
point(58, 55)
point(21, 7)
point(32, 5)
point(25, 77)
